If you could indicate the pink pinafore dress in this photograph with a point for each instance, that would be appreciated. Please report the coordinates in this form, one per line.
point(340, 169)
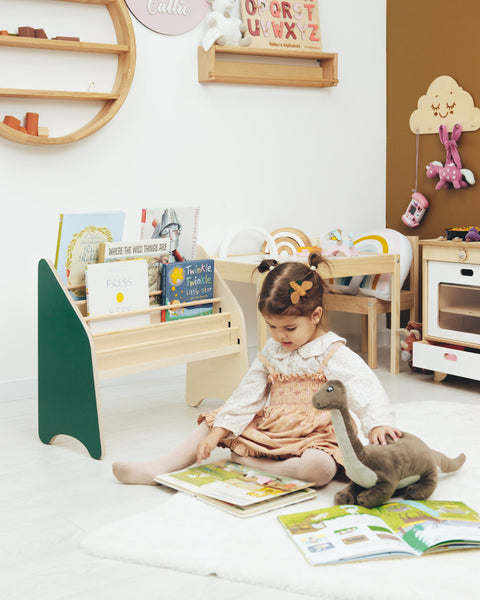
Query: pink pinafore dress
point(289, 424)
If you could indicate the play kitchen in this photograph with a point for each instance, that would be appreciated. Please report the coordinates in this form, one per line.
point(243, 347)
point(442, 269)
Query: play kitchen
point(451, 309)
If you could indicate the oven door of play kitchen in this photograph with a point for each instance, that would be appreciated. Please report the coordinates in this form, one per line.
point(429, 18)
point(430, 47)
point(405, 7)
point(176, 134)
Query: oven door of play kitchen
point(453, 314)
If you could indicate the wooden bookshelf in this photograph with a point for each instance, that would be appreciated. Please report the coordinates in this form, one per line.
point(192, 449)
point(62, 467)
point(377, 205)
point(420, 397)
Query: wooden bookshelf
point(110, 102)
point(259, 66)
point(72, 360)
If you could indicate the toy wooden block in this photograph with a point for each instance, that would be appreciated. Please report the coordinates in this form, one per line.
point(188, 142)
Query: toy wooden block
point(40, 33)
point(26, 32)
point(43, 132)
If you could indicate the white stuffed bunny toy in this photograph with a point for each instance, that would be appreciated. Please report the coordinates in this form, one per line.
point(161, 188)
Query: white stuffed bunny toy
point(224, 29)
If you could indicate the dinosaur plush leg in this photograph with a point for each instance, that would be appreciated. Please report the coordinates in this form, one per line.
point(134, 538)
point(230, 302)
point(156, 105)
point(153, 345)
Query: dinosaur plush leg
point(378, 494)
point(424, 487)
point(348, 495)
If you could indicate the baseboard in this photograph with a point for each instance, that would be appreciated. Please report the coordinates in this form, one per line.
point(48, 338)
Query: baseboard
point(18, 389)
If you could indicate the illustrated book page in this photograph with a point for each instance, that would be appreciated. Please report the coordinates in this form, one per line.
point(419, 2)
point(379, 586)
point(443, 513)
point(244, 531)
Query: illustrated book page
point(349, 533)
point(179, 224)
point(239, 489)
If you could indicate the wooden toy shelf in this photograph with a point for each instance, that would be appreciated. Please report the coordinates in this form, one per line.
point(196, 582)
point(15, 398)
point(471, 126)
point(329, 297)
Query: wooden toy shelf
point(110, 101)
point(270, 66)
point(71, 360)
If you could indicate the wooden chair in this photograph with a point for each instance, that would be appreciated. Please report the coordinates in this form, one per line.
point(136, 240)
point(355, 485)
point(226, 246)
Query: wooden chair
point(370, 307)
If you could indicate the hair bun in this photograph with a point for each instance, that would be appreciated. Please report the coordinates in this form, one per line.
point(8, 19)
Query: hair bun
point(267, 264)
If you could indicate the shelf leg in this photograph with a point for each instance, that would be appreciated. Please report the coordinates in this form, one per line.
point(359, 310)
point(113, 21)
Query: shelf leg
point(67, 389)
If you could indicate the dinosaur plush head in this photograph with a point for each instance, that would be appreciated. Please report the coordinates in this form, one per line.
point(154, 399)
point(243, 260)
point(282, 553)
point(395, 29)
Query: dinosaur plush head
point(330, 396)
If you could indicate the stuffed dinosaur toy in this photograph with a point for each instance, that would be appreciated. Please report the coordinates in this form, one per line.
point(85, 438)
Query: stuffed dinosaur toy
point(376, 471)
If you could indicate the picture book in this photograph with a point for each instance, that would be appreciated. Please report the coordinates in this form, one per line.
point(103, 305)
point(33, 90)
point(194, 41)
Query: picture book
point(238, 489)
point(115, 289)
point(282, 25)
point(155, 252)
point(409, 528)
point(178, 223)
point(79, 237)
point(184, 282)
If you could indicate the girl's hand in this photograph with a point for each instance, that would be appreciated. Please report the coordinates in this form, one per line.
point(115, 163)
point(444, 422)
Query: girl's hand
point(378, 435)
point(210, 442)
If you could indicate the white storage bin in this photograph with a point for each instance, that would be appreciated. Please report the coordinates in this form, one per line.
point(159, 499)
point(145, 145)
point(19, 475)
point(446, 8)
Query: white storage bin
point(446, 360)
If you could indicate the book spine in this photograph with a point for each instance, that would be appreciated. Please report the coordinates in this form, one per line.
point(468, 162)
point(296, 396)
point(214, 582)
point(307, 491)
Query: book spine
point(57, 251)
point(163, 296)
point(196, 219)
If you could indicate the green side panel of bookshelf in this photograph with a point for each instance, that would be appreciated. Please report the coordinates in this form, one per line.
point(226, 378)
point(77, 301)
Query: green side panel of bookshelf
point(67, 399)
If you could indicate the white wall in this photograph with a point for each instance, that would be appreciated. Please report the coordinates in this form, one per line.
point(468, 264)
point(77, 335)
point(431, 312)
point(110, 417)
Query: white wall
point(248, 155)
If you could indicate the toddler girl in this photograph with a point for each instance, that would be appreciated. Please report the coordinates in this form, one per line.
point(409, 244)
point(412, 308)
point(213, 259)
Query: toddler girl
point(269, 422)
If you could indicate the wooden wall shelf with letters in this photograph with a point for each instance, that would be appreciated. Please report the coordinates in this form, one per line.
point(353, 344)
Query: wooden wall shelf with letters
point(258, 66)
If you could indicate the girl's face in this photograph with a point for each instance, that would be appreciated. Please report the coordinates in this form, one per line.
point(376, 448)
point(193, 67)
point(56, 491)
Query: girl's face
point(293, 331)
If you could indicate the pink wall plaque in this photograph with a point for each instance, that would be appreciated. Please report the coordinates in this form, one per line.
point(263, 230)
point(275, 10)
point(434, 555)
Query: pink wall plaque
point(170, 17)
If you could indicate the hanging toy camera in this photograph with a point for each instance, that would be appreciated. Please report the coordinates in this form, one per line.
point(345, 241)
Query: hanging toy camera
point(418, 203)
point(415, 210)
point(451, 174)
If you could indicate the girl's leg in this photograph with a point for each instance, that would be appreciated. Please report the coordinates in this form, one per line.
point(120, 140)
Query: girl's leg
point(183, 455)
point(314, 465)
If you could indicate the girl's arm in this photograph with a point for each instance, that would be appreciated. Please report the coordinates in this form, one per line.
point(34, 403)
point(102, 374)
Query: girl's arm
point(366, 395)
point(249, 398)
point(210, 442)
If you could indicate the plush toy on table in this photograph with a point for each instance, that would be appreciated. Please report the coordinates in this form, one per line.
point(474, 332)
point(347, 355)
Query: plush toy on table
point(473, 235)
point(338, 245)
point(223, 28)
point(377, 471)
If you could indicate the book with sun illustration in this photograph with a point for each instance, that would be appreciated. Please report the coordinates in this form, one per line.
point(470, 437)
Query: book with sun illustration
point(187, 281)
point(115, 289)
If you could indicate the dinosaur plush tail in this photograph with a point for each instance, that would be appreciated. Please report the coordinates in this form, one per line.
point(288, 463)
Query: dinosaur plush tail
point(446, 464)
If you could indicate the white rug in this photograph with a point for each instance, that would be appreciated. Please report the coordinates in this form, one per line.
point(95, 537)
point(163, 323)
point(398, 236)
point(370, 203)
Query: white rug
point(187, 535)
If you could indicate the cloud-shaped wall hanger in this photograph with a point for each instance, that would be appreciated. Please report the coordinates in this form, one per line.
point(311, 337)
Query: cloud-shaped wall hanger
point(445, 103)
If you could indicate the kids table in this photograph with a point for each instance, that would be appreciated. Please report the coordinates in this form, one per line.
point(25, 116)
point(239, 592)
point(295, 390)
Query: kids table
point(241, 268)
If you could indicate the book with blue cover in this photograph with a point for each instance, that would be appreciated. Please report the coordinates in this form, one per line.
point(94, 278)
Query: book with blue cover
point(184, 282)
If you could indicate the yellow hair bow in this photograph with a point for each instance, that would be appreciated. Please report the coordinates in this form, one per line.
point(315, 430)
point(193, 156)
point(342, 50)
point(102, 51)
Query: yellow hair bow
point(299, 288)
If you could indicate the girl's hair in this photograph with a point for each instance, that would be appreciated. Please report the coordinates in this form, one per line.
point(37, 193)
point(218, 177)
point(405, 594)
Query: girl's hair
point(276, 294)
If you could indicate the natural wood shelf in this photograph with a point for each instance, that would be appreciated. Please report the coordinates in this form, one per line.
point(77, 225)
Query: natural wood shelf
point(57, 95)
point(470, 311)
point(219, 64)
point(43, 44)
point(110, 101)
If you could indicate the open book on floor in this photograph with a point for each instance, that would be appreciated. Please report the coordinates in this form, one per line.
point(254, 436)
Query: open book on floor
point(240, 490)
point(409, 528)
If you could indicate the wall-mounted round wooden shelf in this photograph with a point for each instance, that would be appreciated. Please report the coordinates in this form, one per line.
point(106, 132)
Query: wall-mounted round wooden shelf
point(112, 101)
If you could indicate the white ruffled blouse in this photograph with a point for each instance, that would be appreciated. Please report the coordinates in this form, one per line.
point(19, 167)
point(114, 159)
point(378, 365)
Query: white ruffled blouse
point(366, 395)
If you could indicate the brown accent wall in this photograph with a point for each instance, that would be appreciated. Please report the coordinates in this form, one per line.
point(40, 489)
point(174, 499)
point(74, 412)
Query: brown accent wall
point(426, 40)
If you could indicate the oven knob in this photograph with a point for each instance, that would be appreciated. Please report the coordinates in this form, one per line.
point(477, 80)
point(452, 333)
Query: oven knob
point(462, 255)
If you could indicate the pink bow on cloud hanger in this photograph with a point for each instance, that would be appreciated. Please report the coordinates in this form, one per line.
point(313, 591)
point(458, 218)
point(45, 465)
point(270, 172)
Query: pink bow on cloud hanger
point(452, 173)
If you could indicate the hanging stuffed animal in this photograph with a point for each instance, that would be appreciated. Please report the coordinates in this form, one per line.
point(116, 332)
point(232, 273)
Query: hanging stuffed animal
point(451, 173)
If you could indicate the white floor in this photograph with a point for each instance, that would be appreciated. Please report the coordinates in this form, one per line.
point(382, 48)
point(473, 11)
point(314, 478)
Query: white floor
point(51, 496)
